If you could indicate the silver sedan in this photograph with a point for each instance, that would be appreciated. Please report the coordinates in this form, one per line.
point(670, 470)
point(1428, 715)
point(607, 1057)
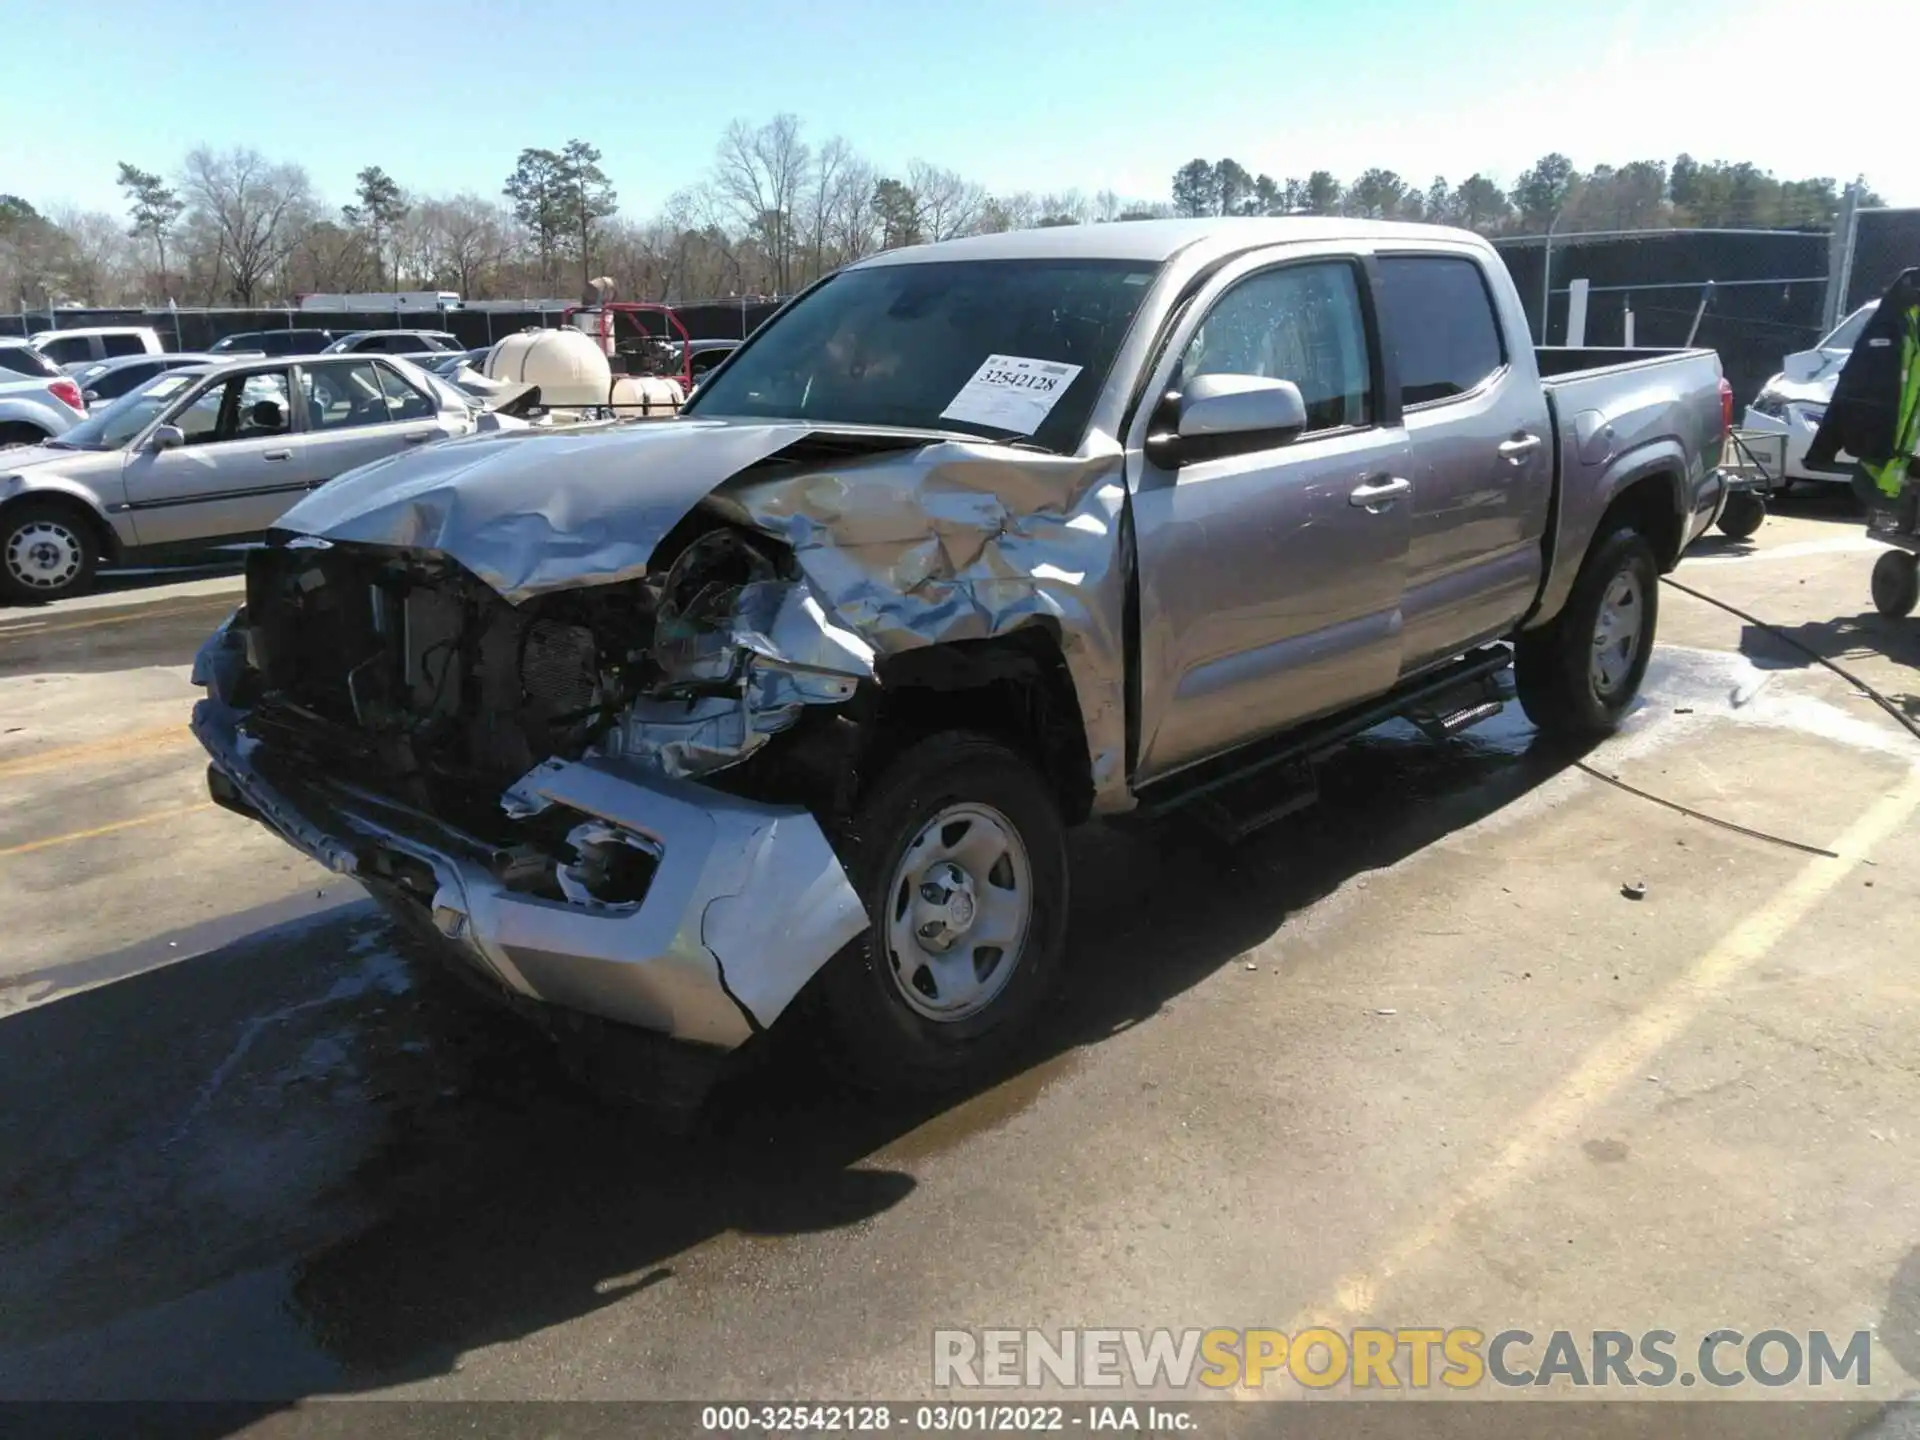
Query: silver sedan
point(205, 455)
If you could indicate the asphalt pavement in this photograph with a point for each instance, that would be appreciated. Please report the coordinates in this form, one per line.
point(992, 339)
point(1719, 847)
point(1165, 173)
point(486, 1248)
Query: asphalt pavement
point(1412, 1057)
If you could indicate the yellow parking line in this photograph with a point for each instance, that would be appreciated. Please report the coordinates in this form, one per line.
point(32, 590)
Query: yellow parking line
point(74, 835)
point(30, 631)
point(1558, 1116)
point(114, 747)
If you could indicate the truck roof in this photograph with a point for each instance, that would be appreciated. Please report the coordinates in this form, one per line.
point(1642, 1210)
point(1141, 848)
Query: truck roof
point(1156, 241)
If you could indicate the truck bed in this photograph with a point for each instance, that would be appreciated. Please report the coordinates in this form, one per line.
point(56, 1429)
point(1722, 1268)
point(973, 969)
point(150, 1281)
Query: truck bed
point(1618, 414)
point(1560, 363)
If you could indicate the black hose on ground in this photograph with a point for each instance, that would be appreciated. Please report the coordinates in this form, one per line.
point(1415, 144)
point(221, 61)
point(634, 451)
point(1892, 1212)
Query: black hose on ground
point(1907, 721)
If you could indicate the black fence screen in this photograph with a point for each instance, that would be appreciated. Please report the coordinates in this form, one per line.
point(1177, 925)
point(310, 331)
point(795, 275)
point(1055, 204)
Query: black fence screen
point(1769, 287)
point(1886, 242)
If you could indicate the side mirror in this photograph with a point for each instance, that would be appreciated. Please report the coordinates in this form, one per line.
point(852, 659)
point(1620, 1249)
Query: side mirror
point(1221, 415)
point(167, 437)
point(91, 396)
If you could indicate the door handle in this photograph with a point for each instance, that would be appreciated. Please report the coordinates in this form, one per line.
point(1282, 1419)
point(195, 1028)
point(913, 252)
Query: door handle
point(278, 455)
point(1378, 494)
point(418, 437)
point(1519, 447)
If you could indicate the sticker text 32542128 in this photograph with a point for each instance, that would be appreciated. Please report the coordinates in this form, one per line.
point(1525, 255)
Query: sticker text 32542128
point(1011, 392)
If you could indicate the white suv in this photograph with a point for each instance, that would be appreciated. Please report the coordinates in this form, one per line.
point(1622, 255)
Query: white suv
point(70, 349)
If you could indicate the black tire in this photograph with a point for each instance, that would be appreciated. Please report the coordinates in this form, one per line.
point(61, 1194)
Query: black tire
point(871, 1033)
point(1743, 514)
point(1553, 667)
point(19, 434)
point(48, 551)
point(1896, 583)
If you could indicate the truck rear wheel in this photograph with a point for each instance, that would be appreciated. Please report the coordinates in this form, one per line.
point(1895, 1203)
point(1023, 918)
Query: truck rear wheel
point(1579, 675)
point(959, 853)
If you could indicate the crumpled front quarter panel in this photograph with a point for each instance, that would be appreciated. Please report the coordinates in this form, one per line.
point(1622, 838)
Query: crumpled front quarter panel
point(956, 541)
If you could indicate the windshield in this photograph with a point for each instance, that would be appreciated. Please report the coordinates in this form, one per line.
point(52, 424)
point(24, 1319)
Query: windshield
point(909, 345)
point(114, 426)
point(1847, 334)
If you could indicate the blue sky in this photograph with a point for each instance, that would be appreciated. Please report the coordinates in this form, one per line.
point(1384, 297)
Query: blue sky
point(1039, 95)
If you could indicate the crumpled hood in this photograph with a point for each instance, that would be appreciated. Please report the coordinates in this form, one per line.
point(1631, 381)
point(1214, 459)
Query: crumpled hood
point(1817, 391)
point(529, 511)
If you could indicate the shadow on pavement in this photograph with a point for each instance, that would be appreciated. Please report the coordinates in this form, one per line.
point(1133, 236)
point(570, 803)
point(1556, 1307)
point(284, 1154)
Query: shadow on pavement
point(1844, 640)
point(309, 1162)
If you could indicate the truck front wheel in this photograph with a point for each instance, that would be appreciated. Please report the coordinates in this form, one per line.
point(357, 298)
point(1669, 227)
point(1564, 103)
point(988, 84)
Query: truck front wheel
point(1579, 675)
point(959, 853)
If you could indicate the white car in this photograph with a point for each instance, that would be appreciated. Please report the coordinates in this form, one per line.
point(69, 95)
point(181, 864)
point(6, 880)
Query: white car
point(1794, 401)
point(205, 455)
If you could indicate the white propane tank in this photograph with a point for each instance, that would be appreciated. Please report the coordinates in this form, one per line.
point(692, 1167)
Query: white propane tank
point(646, 397)
point(566, 364)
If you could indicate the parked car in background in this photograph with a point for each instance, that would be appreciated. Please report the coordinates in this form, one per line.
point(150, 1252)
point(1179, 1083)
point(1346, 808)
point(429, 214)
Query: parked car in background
point(110, 379)
point(970, 543)
point(70, 349)
point(206, 454)
point(1793, 401)
point(305, 341)
point(18, 357)
point(37, 407)
point(394, 342)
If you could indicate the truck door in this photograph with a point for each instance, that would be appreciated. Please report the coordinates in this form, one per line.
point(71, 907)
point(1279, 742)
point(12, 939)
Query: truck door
point(1270, 581)
point(1482, 470)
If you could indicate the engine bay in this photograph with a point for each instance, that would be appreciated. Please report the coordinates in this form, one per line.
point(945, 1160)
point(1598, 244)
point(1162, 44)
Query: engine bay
point(401, 671)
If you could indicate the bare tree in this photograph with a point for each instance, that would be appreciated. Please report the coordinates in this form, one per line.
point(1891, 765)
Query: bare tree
point(830, 164)
point(467, 238)
point(758, 175)
point(99, 261)
point(949, 205)
point(1067, 207)
point(854, 218)
point(252, 207)
point(1018, 211)
point(331, 257)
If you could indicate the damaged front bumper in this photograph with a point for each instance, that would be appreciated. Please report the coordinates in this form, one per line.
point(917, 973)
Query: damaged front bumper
point(737, 905)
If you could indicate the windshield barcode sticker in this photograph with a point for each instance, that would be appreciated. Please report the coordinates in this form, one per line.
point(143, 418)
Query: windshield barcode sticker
point(1010, 392)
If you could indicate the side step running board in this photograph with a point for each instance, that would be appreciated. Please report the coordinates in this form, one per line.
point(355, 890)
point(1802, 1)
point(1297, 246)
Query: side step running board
point(1441, 703)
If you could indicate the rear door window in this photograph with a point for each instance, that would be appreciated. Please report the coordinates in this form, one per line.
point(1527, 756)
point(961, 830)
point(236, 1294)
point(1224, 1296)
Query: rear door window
point(403, 401)
point(342, 397)
point(116, 382)
point(1436, 312)
point(68, 349)
point(25, 360)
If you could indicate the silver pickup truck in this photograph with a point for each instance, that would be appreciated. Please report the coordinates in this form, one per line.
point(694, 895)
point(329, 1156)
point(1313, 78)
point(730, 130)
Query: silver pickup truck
point(784, 705)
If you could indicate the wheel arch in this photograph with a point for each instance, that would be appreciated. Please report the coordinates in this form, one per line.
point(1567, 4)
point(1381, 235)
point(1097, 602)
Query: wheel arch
point(74, 501)
point(1014, 687)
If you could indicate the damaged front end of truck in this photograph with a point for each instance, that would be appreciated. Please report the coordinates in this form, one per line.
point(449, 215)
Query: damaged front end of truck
point(590, 710)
